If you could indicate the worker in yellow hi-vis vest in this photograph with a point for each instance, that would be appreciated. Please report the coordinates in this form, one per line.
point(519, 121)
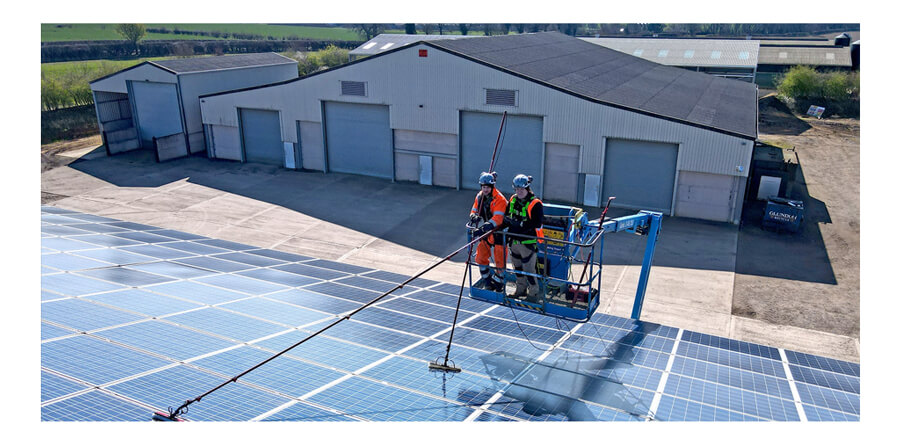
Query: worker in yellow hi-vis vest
point(524, 215)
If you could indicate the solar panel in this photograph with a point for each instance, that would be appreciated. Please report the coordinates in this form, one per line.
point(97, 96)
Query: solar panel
point(181, 314)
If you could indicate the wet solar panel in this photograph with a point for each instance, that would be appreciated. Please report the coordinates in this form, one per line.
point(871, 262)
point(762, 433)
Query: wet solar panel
point(136, 318)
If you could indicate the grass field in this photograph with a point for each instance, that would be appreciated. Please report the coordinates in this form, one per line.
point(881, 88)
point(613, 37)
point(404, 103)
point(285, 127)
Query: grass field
point(51, 32)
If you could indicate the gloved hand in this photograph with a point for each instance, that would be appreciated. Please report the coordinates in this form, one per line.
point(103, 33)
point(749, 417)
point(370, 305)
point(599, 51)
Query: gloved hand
point(511, 222)
point(473, 218)
point(484, 229)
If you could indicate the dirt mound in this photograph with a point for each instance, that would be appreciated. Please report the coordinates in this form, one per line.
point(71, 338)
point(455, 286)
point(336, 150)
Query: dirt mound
point(776, 118)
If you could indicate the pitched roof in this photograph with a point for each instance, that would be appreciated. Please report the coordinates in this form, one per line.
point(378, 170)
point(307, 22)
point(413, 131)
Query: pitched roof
point(686, 52)
point(383, 42)
point(815, 56)
point(621, 80)
point(201, 64)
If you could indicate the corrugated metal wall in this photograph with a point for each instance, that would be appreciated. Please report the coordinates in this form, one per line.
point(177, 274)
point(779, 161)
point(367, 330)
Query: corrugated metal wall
point(427, 94)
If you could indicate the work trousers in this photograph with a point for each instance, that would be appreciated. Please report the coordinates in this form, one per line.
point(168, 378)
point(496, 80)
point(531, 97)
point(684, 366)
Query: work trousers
point(524, 258)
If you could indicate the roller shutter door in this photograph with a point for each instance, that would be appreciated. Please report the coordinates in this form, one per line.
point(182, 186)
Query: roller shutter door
point(640, 174)
point(561, 181)
point(359, 139)
point(521, 153)
point(261, 137)
point(157, 110)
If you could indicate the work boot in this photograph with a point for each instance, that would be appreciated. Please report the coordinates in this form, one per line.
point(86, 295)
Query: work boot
point(496, 283)
point(534, 295)
point(520, 290)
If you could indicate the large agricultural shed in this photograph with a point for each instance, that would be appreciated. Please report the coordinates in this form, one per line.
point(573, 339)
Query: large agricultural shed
point(735, 59)
point(585, 121)
point(157, 99)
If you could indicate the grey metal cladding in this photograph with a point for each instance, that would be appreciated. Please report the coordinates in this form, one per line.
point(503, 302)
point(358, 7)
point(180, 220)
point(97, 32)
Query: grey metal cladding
point(200, 64)
point(615, 78)
point(353, 88)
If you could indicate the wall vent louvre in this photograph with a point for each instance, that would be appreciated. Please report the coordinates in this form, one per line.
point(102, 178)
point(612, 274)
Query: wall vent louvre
point(353, 88)
point(503, 97)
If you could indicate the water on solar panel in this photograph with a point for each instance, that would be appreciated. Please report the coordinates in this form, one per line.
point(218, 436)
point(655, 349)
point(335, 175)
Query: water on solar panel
point(69, 262)
point(76, 285)
point(171, 270)
point(279, 255)
point(311, 271)
point(280, 277)
point(116, 256)
point(375, 401)
point(246, 285)
point(249, 259)
point(215, 264)
point(127, 277)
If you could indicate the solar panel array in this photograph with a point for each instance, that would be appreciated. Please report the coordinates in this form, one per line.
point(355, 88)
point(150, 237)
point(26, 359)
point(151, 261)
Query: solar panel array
point(136, 319)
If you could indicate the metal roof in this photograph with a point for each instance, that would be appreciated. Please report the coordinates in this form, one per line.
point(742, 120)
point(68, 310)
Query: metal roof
point(384, 42)
point(202, 64)
point(686, 52)
point(814, 56)
point(611, 77)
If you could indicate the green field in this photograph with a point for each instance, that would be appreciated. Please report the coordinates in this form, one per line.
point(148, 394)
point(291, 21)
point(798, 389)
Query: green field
point(51, 32)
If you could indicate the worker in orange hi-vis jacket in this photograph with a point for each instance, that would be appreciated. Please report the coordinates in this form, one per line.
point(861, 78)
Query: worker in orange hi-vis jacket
point(490, 205)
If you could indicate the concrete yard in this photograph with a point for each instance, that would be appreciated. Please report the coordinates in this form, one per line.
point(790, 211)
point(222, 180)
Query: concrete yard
point(403, 228)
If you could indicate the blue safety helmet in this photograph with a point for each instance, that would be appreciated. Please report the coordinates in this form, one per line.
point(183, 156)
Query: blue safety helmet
point(522, 181)
point(487, 178)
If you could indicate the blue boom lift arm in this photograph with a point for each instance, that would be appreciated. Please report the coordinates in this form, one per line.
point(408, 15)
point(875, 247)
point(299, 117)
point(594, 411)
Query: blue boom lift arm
point(643, 223)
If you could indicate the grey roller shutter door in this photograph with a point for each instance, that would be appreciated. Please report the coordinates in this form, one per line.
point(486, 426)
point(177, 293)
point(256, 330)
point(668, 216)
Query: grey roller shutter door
point(561, 181)
point(157, 108)
point(261, 137)
point(521, 153)
point(641, 175)
point(359, 139)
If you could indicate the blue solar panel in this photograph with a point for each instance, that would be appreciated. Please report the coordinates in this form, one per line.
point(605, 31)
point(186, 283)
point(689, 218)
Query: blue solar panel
point(69, 262)
point(375, 401)
point(733, 359)
point(733, 399)
point(249, 259)
point(66, 244)
point(283, 313)
point(166, 339)
point(464, 387)
point(172, 270)
point(312, 300)
point(116, 256)
point(197, 292)
point(311, 271)
point(608, 369)
point(127, 277)
point(54, 386)
point(751, 381)
point(840, 401)
point(280, 277)
point(321, 350)
point(227, 324)
point(214, 264)
point(285, 375)
point(173, 386)
point(93, 406)
point(83, 315)
point(95, 361)
point(144, 302)
point(279, 255)
point(243, 284)
point(226, 244)
point(49, 331)
point(305, 412)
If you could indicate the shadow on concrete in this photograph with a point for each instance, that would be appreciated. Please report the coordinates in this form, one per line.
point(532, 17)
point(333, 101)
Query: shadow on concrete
point(432, 219)
point(795, 256)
